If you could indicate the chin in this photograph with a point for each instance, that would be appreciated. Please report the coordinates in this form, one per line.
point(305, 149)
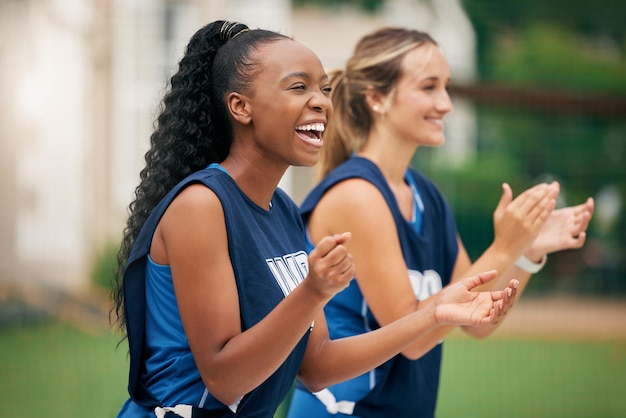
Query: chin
point(437, 142)
point(307, 161)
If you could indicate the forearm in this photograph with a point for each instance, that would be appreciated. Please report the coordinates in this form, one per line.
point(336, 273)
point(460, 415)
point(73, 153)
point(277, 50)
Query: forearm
point(326, 364)
point(249, 358)
point(428, 340)
point(494, 258)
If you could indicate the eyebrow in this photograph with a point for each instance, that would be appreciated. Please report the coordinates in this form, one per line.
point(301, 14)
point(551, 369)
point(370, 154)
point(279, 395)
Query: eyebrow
point(301, 74)
point(434, 78)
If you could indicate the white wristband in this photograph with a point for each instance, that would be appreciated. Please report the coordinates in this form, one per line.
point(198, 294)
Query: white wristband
point(530, 267)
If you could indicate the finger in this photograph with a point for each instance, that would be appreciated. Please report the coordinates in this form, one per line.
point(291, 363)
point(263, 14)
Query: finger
point(349, 269)
point(323, 247)
point(511, 300)
point(542, 210)
point(494, 314)
point(506, 198)
point(579, 240)
point(526, 203)
point(329, 243)
point(540, 195)
point(479, 279)
point(588, 212)
point(500, 307)
point(500, 295)
point(345, 263)
point(507, 294)
point(343, 238)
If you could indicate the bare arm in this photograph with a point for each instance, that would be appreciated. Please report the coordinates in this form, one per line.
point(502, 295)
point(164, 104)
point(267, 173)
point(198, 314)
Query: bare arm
point(517, 223)
point(562, 229)
point(358, 206)
point(191, 238)
point(327, 362)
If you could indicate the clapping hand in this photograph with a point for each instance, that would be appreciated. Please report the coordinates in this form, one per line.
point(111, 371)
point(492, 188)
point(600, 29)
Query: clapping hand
point(458, 304)
point(564, 229)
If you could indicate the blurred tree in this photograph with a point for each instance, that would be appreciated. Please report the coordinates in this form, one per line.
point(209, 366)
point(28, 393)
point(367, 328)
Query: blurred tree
point(370, 6)
point(603, 19)
point(552, 57)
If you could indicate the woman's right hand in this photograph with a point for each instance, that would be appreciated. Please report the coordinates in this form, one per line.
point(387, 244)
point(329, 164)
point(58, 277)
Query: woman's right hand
point(460, 304)
point(517, 222)
point(331, 267)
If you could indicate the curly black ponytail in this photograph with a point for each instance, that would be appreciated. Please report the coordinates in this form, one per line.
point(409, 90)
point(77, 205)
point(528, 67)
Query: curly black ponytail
point(193, 128)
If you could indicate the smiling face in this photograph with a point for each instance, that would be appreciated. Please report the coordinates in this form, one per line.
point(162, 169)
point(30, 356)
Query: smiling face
point(289, 104)
point(419, 101)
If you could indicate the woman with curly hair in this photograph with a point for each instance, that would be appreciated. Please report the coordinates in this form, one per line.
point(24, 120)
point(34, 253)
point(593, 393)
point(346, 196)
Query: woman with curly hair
point(219, 301)
point(390, 100)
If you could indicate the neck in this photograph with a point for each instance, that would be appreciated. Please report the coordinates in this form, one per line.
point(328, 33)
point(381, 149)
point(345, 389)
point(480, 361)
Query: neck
point(392, 157)
point(257, 179)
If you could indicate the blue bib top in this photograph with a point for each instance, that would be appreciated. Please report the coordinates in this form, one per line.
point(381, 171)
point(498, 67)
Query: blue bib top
point(268, 256)
point(401, 387)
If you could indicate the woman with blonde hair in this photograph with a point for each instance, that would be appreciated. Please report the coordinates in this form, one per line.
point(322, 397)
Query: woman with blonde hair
point(390, 100)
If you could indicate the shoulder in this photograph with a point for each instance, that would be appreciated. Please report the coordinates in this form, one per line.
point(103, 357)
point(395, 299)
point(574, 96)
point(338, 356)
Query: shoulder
point(193, 215)
point(347, 176)
point(196, 206)
point(351, 205)
point(196, 196)
point(351, 192)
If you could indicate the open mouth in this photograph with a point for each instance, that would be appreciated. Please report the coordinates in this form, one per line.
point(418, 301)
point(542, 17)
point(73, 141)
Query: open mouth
point(311, 132)
point(435, 121)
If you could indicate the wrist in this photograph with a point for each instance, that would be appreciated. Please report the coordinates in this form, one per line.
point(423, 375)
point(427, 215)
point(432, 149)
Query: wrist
point(534, 255)
point(530, 266)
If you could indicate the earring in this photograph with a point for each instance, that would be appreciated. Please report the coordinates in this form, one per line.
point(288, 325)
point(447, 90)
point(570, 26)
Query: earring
point(375, 108)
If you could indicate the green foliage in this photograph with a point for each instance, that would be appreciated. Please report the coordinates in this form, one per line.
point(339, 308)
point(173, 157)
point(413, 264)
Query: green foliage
point(602, 18)
point(370, 6)
point(553, 30)
point(104, 267)
point(550, 56)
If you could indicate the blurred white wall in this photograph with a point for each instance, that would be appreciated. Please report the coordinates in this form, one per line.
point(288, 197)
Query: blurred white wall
point(81, 83)
point(47, 139)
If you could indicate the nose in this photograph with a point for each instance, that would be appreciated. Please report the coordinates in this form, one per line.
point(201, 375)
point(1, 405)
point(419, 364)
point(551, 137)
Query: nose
point(444, 103)
point(320, 101)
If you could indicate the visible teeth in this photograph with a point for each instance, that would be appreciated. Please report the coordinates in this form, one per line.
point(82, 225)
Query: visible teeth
point(311, 127)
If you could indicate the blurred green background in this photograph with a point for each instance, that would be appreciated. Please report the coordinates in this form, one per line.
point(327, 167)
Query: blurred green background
point(550, 102)
point(58, 370)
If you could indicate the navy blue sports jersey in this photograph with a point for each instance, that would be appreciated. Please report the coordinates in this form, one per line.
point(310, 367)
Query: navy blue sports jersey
point(400, 387)
point(268, 255)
